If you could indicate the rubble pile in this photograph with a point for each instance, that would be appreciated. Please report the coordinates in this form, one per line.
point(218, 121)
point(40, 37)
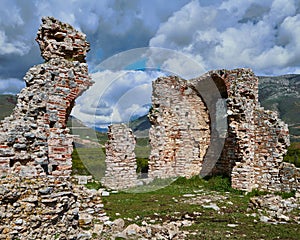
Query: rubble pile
point(274, 209)
point(166, 230)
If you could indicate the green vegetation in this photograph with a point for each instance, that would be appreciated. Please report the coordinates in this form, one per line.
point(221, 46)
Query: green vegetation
point(293, 154)
point(142, 152)
point(142, 165)
point(286, 195)
point(169, 204)
point(87, 161)
point(94, 185)
point(78, 167)
point(142, 148)
point(7, 103)
point(102, 138)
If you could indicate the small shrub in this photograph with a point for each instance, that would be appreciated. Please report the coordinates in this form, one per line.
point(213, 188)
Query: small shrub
point(94, 185)
point(142, 165)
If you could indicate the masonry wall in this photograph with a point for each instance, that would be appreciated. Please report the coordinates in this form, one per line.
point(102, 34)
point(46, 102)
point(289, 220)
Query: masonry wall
point(34, 140)
point(180, 131)
point(120, 159)
point(256, 138)
point(242, 98)
point(42, 207)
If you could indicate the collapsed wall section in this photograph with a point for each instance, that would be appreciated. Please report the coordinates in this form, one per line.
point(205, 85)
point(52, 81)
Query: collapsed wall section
point(34, 140)
point(241, 87)
point(185, 130)
point(120, 159)
point(180, 131)
point(256, 139)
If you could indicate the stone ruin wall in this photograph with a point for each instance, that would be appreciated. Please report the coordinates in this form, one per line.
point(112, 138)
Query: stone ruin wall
point(34, 139)
point(184, 130)
point(180, 131)
point(120, 159)
point(256, 138)
point(42, 207)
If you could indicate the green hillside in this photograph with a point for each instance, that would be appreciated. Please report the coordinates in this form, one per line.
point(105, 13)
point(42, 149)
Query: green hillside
point(282, 94)
point(7, 103)
point(140, 126)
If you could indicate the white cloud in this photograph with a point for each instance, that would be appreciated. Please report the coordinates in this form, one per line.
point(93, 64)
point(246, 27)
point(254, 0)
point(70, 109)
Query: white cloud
point(191, 36)
point(11, 86)
point(111, 26)
point(14, 47)
point(264, 35)
point(115, 97)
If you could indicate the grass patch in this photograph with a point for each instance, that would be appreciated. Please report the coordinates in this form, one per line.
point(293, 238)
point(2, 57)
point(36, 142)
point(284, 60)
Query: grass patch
point(78, 167)
point(88, 161)
point(219, 183)
point(286, 195)
point(142, 151)
point(256, 193)
point(167, 204)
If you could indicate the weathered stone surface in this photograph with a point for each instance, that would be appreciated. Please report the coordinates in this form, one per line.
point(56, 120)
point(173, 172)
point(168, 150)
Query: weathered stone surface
point(36, 134)
point(120, 159)
point(47, 208)
point(272, 208)
point(180, 131)
point(183, 129)
point(57, 39)
point(257, 139)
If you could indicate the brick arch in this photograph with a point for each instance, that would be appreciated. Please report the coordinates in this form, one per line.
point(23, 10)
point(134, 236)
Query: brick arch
point(254, 143)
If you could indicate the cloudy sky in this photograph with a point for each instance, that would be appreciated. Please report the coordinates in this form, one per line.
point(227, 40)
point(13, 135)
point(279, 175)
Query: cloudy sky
point(262, 35)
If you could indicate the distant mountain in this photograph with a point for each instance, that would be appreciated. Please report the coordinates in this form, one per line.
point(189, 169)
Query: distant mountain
point(7, 103)
point(280, 93)
point(87, 134)
point(140, 126)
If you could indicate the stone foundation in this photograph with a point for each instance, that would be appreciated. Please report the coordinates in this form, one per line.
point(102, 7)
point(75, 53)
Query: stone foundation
point(48, 208)
point(34, 139)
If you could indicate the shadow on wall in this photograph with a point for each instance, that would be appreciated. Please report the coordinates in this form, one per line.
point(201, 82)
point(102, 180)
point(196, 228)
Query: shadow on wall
point(229, 134)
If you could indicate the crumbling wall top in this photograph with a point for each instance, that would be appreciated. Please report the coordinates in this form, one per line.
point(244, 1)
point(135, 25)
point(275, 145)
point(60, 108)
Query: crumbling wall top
point(57, 39)
point(35, 140)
